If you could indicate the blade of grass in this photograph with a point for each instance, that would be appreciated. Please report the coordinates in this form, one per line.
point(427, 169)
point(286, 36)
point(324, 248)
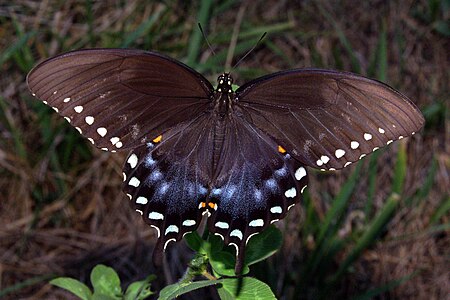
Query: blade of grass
point(373, 293)
point(143, 28)
point(89, 21)
point(15, 132)
point(400, 170)
point(196, 36)
point(24, 284)
point(441, 210)
point(380, 67)
point(372, 184)
point(356, 66)
point(16, 47)
point(23, 57)
point(425, 189)
point(330, 224)
point(369, 236)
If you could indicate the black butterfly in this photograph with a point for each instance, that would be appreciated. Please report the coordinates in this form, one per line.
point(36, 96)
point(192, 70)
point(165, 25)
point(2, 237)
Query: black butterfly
point(237, 156)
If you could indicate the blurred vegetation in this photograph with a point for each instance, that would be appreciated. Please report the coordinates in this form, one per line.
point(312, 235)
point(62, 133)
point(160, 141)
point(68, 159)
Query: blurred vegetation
point(378, 229)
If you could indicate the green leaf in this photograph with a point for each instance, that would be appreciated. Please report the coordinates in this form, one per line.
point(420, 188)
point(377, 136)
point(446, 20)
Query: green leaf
point(194, 241)
point(175, 290)
point(100, 296)
point(224, 294)
point(263, 245)
point(140, 290)
point(223, 263)
point(74, 286)
point(246, 288)
point(106, 281)
point(216, 243)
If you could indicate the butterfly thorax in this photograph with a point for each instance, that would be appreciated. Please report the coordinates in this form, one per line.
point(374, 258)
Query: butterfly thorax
point(223, 95)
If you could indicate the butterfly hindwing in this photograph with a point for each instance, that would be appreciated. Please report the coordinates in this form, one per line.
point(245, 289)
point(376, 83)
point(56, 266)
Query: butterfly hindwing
point(257, 183)
point(117, 98)
point(166, 180)
point(328, 119)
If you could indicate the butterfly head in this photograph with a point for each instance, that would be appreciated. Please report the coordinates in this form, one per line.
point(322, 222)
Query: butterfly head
point(224, 83)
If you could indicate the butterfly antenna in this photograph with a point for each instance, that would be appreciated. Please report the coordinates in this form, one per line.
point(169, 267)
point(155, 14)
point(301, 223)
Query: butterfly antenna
point(206, 39)
point(250, 51)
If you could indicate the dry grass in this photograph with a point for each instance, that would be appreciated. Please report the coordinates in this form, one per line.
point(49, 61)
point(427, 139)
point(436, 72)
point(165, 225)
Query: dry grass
point(65, 217)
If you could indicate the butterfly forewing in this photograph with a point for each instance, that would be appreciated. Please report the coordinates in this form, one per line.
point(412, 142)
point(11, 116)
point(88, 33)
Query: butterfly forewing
point(328, 119)
point(119, 98)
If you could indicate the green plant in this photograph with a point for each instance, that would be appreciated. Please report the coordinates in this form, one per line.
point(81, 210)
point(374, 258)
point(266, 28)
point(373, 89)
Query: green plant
point(106, 285)
point(211, 251)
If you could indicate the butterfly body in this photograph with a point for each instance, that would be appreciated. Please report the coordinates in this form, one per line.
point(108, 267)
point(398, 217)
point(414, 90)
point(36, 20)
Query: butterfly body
point(239, 157)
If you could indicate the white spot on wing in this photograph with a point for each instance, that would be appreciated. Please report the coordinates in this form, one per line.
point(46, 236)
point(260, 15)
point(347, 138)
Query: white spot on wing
point(79, 130)
point(91, 140)
point(400, 137)
point(380, 130)
point(222, 225)
point(55, 109)
point(388, 142)
point(114, 140)
point(132, 160)
point(171, 228)
point(78, 109)
point(291, 193)
point(367, 136)
point(324, 159)
point(339, 153)
point(155, 216)
point(347, 164)
point(68, 119)
point(89, 120)
point(102, 131)
point(354, 145)
point(141, 200)
point(319, 162)
point(300, 173)
point(66, 100)
point(276, 210)
point(134, 182)
point(256, 223)
point(237, 233)
point(124, 176)
point(189, 223)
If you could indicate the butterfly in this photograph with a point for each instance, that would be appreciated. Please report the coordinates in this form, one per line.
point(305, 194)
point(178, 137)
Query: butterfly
point(240, 157)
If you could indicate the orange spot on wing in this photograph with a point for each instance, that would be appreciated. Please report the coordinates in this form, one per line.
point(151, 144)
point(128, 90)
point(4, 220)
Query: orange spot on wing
point(281, 149)
point(203, 204)
point(157, 139)
point(211, 204)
